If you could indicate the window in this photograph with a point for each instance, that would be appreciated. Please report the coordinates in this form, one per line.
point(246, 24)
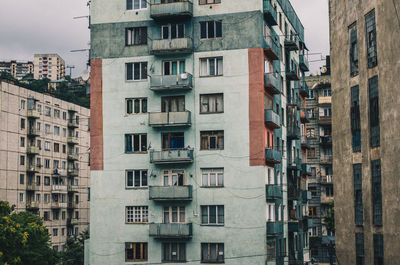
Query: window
point(64, 115)
point(212, 252)
point(353, 50)
point(46, 197)
point(47, 146)
point(376, 192)
point(136, 71)
point(38, 197)
point(46, 216)
point(47, 129)
point(358, 202)
point(136, 178)
point(22, 160)
point(173, 67)
point(56, 147)
point(47, 111)
point(136, 4)
point(212, 215)
point(327, 92)
point(64, 148)
point(47, 181)
point(206, 2)
point(212, 177)
point(136, 105)
point(378, 249)
point(212, 103)
point(374, 111)
point(174, 177)
point(172, 31)
point(173, 214)
point(360, 249)
point(21, 197)
point(56, 130)
point(135, 252)
point(56, 113)
point(355, 119)
point(173, 141)
point(22, 104)
point(174, 252)
point(47, 163)
point(137, 214)
point(210, 29)
point(371, 39)
point(173, 104)
point(38, 180)
point(21, 179)
point(211, 66)
point(212, 140)
point(55, 215)
point(311, 133)
point(135, 143)
point(136, 36)
point(22, 124)
point(312, 211)
point(22, 142)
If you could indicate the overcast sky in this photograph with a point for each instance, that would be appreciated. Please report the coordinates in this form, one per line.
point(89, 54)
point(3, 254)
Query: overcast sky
point(47, 26)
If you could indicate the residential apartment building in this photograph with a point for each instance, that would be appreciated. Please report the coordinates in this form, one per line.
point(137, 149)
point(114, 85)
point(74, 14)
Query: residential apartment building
point(50, 66)
point(195, 133)
point(365, 102)
point(319, 140)
point(44, 145)
point(17, 69)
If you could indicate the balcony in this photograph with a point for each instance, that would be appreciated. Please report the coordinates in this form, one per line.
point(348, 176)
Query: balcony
point(58, 188)
point(292, 43)
point(32, 150)
point(33, 132)
point(307, 223)
point(270, 14)
point(293, 132)
point(326, 159)
point(292, 74)
point(305, 195)
point(177, 231)
point(273, 192)
point(170, 119)
point(324, 100)
point(163, 83)
point(32, 187)
point(34, 114)
point(272, 119)
point(325, 140)
point(303, 63)
point(33, 168)
point(72, 188)
point(170, 193)
point(294, 226)
point(73, 221)
point(72, 123)
point(274, 228)
point(32, 205)
point(172, 156)
point(326, 199)
point(327, 179)
point(72, 205)
point(306, 169)
point(56, 205)
point(325, 120)
point(305, 143)
point(294, 163)
point(272, 83)
point(72, 140)
point(273, 156)
point(304, 90)
point(73, 171)
point(175, 10)
point(271, 45)
point(173, 46)
point(73, 156)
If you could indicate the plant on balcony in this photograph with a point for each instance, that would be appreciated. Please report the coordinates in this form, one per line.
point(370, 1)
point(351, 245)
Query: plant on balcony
point(329, 218)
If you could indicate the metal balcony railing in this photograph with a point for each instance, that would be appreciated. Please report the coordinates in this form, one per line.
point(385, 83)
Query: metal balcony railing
point(168, 46)
point(32, 113)
point(177, 231)
point(274, 228)
point(272, 119)
point(272, 83)
point(171, 82)
point(270, 13)
point(273, 156)
point(170, 119)
point(184, 155)
point(161, 11)
point(273, 191)
point(303, 62)
point(271, 45)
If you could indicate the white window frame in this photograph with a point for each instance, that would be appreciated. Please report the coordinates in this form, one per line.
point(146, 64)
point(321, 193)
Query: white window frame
point(133, 106)
point(216, 215)
point(136, 214)
point(179, 211)
point(270, 212)
point(209, 172)
point(141, 172)
point(140, 5)
point(133, 72)
point(47, 145)
point(172, 176)
point(217, 71)
point(130, 36)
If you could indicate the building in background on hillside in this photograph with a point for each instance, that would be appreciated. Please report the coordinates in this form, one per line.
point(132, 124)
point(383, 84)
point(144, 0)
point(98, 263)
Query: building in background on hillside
point(17, 69)
point(50, 66)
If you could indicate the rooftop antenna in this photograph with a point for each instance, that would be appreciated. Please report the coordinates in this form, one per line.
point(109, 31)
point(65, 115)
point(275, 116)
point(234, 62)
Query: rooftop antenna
point(70, 67)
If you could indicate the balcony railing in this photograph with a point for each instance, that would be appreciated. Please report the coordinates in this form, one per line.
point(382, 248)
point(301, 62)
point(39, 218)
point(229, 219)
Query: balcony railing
point(32, 150)
point(306, 169)
point(273, 191)
point(33, 167)
point(292, 43)
point(72, 156)
point(273, 156)
point(171, 156)
point(327, 179)
point(181, 9)
point(58, 188)
point(171, 82)
point(303, 62)
point(272, 83)
point(326, 159)
point(325, 119)
point(305, 142)
point(31, 113)
point(72, 205)
point(177, 231)
point(294, 163)
point(72, 140)
point(293, 132)
point(56, 205)
point(270, 14)
point(324, 100)
point(73, 221)
point(73, 171)
point(72, 188)
point(274, 228)
point(294, 226)
point(32, 205)
point(325, 140)
point(32, 187)
point(33, 132)
point(170, 193)
point(292, 73)
point(326, 199)
point(271, 45)
point(272, 119)
point(170, 119)
point(172, 46)
point(72, 123)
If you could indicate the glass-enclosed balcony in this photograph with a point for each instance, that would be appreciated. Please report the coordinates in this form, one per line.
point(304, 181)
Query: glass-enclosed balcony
point(72, 123)
point(32, 113)
point(178, 231)
point(171, 82)
point(273, 156)
point(272, 83)
point(172, 156)
point(172, 46)
point(171, 9)
point(304, 65)
point(271, 45)
point(32, 150)
point(170, 193)
point(272, 119)
point(72, 140)
point(273, 191)
point(170, 119)
point(270, 14)
point(274, 228)
point(72, 156)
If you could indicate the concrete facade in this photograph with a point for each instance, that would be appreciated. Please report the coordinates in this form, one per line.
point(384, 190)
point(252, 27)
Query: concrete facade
point(44, 145)
point(252, 154)
point(365, 126)
point(17, 69)
point(50, 66)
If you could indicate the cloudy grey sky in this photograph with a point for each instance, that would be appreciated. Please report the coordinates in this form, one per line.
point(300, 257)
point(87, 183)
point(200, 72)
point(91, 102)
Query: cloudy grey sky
point(47, 26)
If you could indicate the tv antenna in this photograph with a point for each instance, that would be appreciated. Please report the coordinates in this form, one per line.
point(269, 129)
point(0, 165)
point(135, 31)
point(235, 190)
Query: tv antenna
point(70, 67)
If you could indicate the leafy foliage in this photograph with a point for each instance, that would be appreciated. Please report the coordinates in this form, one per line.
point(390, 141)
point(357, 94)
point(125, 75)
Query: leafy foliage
point(74, 252)
point(329, 218)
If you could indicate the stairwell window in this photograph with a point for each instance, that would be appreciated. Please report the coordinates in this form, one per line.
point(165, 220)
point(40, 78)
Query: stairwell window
point(353, 50)
point(136, 36)
point(136, 178)
point(136, 105)
point(136, 143)
point(374, 111)
point(211, 103)
point(210, 29)
point(212, 252)
point(135, 252)
point(212, 215)
point(136, 214)
point(371, 39)
point(136, 4)
point(212, 140)
point(212, 177)
point(136, 71)
point(211, 66)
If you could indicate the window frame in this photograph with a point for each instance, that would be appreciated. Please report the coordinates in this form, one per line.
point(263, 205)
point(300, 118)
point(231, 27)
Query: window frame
point(130, 35)
point(179, 248)
point(216, 68)
point(208, 2)
point(207, 30)
point(144, 251)
point(131, 216)
point(209, 134)
point(209, 172)
point(141, 149)
point(217, 254)
point(141, 106)
point(132, 4)
point(208, 96)
point(141, 73)
point(141, 176)
point(170, 210)
point(217, 215)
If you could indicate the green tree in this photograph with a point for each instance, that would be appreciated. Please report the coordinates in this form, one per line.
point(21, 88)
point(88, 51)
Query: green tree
point(74, 252)
point(23, 239)
point(329, 218)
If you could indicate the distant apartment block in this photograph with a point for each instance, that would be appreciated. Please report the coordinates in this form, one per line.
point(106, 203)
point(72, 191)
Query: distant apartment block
point(50, 66)
point(44, 150)
point(17, 69)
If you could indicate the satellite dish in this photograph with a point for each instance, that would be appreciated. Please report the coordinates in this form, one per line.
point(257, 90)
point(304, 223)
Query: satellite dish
point(85, 75)
point(324, 70)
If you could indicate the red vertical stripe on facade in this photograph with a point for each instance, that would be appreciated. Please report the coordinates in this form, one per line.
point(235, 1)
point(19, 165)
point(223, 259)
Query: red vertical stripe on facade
point(96, 115)
point(256, 107)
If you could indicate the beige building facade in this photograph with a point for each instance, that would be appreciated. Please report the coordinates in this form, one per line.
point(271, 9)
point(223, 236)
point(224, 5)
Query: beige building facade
point(365, 103)
point(50, 66)
point(17, 69)
point(44, 165)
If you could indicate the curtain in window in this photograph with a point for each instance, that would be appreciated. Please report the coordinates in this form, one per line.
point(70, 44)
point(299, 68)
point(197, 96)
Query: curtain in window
point(212, 66)
point(204, 214)
point(128, 143)
point(220, 68)
point(212, 104)
point(203, 67)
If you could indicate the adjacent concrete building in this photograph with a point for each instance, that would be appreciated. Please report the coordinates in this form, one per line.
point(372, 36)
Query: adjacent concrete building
point(44, 150)
point(50, 66)
point(195, 133)
point(365, 102)
point(17, 69)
